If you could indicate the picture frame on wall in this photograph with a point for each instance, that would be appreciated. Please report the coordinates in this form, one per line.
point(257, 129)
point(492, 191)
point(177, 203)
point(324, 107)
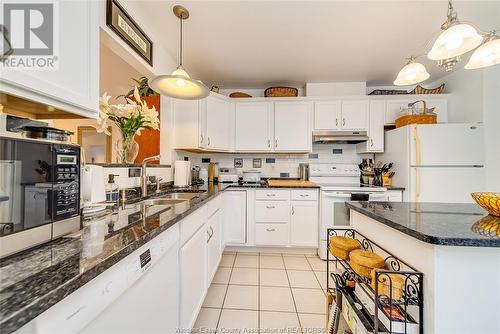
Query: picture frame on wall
point(128, 30)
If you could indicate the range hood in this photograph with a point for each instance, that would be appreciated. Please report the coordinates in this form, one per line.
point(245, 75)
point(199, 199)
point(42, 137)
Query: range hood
point(339, 136)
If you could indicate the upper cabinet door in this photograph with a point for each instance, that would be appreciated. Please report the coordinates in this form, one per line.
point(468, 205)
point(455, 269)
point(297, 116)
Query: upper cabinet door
point(253, 126)
point(219, 123)
point(74, 84)
point(186, 120)
point(355, 115)
point(292, 129)
point(376, 127)
point(327, 115)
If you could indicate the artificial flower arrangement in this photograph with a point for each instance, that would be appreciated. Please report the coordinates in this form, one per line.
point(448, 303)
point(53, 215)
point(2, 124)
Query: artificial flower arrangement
point(130, 118)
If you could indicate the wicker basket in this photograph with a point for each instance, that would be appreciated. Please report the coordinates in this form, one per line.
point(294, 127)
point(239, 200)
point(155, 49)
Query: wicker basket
point(489, 201)
point(363, 262)
point(384, 287)
point(281, 92)
point(342, 246)
point(416, 119)
point(421, 90)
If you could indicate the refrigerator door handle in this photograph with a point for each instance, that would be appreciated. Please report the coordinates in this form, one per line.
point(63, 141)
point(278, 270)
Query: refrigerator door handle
point(418, 160)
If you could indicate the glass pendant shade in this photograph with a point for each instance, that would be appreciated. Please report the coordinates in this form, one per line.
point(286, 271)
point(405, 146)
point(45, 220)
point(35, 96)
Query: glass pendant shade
point(179, 85)
point(455, 41)
point(412, 73)
point(486, 55)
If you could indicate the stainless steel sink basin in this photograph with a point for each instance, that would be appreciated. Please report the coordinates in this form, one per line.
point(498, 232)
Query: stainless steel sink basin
point(163, 201)
point(172, 198)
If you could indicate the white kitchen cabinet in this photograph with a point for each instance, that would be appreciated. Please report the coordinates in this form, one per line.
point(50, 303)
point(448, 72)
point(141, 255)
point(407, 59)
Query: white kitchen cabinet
point(235, 216)
point(327, 115)
point(214, 244)
point(219, 123)
point(193, 277)
point(187, 128)
point(254, 126)
point(375, 142)
point(271, 234)
point(354, 115)
point(292, 126)
point(272, 211)
point(74, 85)
point(304, 223)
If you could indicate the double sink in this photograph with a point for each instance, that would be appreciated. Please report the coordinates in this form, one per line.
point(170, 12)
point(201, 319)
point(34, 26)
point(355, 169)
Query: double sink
point(173, 198)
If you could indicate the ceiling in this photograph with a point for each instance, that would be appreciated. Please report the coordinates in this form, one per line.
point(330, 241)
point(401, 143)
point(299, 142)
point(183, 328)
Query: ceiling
point(251, 44)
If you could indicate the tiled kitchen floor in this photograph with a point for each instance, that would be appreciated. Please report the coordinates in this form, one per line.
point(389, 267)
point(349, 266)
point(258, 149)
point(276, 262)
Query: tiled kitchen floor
point(269, 292)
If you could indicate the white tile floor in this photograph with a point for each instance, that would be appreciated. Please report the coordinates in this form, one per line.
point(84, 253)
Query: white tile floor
point(276, 293)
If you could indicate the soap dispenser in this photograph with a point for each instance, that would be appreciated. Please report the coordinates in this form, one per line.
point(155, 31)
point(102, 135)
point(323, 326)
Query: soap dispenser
point(112, 194)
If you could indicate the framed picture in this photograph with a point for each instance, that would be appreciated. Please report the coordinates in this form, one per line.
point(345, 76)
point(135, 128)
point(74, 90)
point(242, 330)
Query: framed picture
point(122, 24)
point(238, 163)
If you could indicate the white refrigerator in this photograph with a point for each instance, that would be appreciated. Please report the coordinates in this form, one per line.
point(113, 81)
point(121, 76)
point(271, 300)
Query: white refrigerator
point(437, 162)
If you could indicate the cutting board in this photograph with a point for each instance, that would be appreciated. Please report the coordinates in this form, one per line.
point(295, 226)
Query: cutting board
point(290, 183)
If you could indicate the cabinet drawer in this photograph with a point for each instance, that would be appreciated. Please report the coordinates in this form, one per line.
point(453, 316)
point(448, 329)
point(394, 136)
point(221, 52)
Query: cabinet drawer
point(304, 195)
point(272, 211)
point(271, 234)
point(272, 194)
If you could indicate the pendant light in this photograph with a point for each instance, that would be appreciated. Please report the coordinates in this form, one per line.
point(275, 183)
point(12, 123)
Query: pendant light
point(487, 54)
point(411, 73)
point(456, 39)
point(179, 84)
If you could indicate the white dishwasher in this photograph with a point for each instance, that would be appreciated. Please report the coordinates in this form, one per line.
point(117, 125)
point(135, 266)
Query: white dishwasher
point(139, 294)
point(151, 304)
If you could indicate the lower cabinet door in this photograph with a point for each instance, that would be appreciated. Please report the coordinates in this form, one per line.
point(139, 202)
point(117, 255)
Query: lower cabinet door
point(193, 277)
point(214, 248)
point(271, 234)
point(235, 217)
point(304, 223)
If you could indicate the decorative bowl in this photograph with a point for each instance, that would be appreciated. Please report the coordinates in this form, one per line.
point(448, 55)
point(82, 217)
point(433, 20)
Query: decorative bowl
point(489, 201)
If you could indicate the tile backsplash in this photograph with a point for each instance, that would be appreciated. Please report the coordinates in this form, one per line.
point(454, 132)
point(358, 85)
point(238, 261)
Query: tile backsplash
point(273, 165)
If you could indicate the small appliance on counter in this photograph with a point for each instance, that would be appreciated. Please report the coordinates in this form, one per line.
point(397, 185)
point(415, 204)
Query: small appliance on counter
point(251, 176)
point(195, 176)
point(92, 190)
point(40, 191)
point(182, 175)
point(228, 175)
point(304, 172)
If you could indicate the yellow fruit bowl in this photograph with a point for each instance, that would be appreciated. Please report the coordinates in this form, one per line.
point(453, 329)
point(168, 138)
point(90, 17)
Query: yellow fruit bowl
point(488, 201)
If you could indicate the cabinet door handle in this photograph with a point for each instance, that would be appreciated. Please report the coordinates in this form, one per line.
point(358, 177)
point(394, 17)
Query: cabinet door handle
point(201, 139)
point(209, 237)
point(276, 142)
point(212, 230)
point(371, 142)
point(336, 122)
point(268, 143)
point(270, 206)
point(293, 210)
point(343, 121)
point(270, 195)
point(208, 141)
point(270, 229)
point(304, 195)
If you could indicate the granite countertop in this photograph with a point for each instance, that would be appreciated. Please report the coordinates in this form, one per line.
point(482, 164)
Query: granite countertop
point(449, 224)
point(34, 280)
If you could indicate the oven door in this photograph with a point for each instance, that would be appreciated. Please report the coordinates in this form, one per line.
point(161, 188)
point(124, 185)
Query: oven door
point(25, 185)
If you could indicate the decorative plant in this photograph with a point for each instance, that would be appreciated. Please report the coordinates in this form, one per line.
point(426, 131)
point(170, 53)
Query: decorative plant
point(130, 118)
point(143, 87)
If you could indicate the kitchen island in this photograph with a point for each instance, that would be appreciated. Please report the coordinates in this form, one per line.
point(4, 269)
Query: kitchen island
point(460, 261)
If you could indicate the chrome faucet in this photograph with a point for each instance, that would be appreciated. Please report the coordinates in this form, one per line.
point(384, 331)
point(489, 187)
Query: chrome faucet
point(144, 178)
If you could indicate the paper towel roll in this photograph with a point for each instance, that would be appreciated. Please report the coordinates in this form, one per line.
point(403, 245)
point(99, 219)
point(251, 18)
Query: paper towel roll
point(182, 171)
point(92, 186)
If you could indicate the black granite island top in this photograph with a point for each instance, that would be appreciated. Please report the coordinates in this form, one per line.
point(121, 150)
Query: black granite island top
point(36, 279)
point(449, 224)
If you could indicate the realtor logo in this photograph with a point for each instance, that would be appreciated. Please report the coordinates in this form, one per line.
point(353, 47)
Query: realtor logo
point(31, 34)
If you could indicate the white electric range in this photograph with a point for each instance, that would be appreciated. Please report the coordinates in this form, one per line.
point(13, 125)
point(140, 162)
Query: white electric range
point(339, 183)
